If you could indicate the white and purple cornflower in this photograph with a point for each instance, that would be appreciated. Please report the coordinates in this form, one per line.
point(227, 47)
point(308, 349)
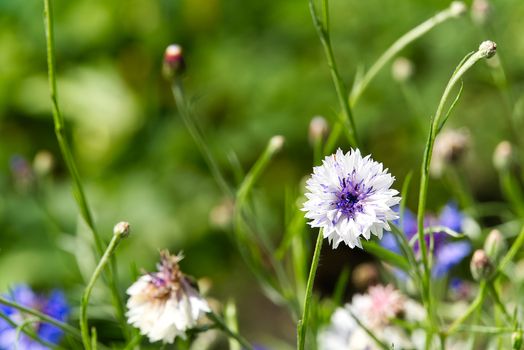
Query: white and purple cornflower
point(349, 197)
point(54, 305)
point(165, 304)
point(447, 253)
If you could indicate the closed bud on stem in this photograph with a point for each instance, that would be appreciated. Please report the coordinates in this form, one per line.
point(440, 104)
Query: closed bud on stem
point(481, 267)
point(516, 340)
point(122, 229)
point(495, 246)
point(458, 8)
point(318, 129)
point(276, 143)
point(174, 64)
point(488, 49)
point(503, 155)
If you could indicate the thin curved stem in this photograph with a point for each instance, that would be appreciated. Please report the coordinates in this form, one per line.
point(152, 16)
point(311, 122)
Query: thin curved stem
point(67, 154)
point(435, 127)
point(303, 322)
point(87, 292)
point(398, 46)
point(471, 309)
point(346, 118)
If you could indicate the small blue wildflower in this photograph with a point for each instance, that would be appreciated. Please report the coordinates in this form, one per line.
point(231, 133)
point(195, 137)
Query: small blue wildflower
point(446, 253)
point(55, 305)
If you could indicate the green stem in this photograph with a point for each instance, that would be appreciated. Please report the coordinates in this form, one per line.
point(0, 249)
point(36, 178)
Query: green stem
point(398, 46)
point(515, 247)
point(87, 292)
point(303, 322)
point(496, 298)
point(435, 126)
point(323, 32)
point(471, 309)
point(185, 112)
point(221, 324)
point(67, 154)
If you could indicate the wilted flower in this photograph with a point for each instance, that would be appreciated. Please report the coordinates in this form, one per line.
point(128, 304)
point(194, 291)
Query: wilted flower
point(374, 310)
point(450, 148)
point(446, 253)
point(165, 304)
point(55, 305)
point(350, 197)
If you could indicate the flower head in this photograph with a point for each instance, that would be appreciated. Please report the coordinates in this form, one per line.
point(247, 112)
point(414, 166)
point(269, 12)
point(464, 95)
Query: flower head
point(350, 197)
point(379, 305)
point(165, 304)
point(54, 305)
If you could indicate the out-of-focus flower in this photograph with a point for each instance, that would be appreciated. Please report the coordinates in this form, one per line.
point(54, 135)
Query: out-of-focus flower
point(221, 215)
point(450, 148)
point(165, 304)
point(480, 11)
point(379, 305)
point(22, 173)
point(402, 69)
point(446, 253)
point(350, 197)
point(502, 157)
point(374, 310)
point(54, 305)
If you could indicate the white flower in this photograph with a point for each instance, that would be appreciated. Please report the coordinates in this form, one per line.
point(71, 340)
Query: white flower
point(374, 310)
point(350, 197)
point(164, 304)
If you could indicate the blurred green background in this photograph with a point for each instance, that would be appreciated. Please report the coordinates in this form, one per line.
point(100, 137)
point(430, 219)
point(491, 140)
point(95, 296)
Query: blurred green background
point(254, 69)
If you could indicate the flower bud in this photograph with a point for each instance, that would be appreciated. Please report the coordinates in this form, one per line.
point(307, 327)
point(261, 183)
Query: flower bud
point(503, 155)
point(402, 69)
point(458, 8)
point(516, 340)
point(276, 143)
point(481, 267)
point(318, 129)
point(495, 246)
point(122, 229)
point(365, 275)
point(174, 63)
point(488, 49)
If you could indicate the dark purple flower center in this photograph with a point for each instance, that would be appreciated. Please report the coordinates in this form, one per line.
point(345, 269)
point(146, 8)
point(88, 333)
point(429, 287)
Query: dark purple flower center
point(350, 196)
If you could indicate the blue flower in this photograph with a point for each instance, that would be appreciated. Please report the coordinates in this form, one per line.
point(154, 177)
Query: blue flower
point(55, 305)
point(446, 253)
